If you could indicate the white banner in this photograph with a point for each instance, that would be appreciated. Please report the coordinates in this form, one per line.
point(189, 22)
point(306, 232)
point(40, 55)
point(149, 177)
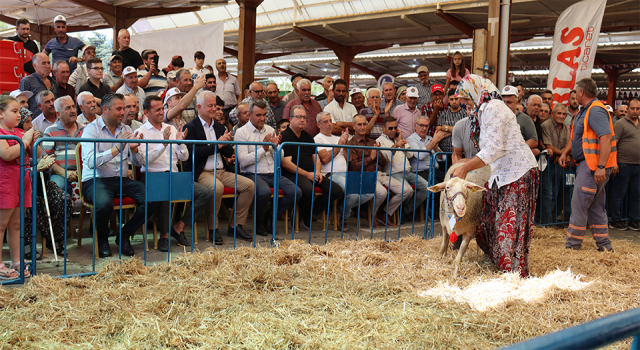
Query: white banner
point(208, 38)
point(575, 42)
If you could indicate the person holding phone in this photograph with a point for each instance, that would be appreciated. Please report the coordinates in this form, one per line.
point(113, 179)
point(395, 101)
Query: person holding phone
point(151, 79)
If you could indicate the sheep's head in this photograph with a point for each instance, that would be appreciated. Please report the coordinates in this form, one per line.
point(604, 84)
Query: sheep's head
point(457, 192)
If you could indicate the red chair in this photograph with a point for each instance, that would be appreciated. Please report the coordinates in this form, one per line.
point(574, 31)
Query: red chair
point(228, 193)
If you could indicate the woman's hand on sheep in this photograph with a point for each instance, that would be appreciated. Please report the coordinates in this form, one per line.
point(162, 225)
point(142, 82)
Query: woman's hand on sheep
point(460, 172)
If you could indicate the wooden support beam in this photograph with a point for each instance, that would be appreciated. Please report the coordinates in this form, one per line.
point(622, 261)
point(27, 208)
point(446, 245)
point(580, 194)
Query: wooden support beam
point(247, 40)
point(283, 70)
point(415, 23)
point(336, 30)
point(8, 20)
point(230, 51)
point(158, 11)
point(265, 56)
point(456, 22)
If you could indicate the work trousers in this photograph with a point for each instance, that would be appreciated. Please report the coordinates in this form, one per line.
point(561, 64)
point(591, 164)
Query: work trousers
point(420, 193)
point(626, 182)
point(264, 185)
point(222, 179)
point(320, 204)
point(588, 208)
point(401, 193)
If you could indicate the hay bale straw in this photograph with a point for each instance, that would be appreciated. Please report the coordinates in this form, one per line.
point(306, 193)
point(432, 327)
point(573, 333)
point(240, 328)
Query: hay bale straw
point(347, 294)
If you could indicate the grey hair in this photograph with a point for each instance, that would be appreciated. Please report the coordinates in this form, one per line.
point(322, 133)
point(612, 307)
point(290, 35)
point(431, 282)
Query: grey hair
point(319, 116)
point(203, 96)
point(558, 106)
point(373, 90)
point(39, 54)
point(532, 97)
point(58, 63)
point(296, 107)
point(545, 105)
point(182, 71)
point(422, 117)
point(589, 87)
point(260, 103)
point(82, 95)
point(303, 81)
point(41, 95)
point(58, 103)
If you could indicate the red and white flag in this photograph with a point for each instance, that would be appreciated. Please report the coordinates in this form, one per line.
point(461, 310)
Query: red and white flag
point(575, 41)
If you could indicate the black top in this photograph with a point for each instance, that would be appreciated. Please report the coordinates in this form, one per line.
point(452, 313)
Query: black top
point(69, 90)
point(202, 152)
point(96, 91)
point(539, 132)
point(321, 97)
point(305, 162)
point(130, 58)
point(32, 47)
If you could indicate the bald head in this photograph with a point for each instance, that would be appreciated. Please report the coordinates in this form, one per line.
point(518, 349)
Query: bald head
point(257, 91)
point(41, 64)
point(123, 39)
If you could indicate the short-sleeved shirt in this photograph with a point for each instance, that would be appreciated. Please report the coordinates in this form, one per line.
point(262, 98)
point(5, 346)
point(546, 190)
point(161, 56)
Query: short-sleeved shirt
point(156, 82)
point(32, 49)
point(197, 72)
point(65, 152)
point(598, 122)
point(356, 156)
point(406, 119)
point(228, 90)
point(424, 93)
point(627, 141)
point(339, 161)
point(461, 137)
point(111, 79)
point(457, 77)
point(551, 136)
point(62, 52)
point(376, 131)
point(447, 117)
point(312, 112)
point(68, 90)
point(130, 58)
point(96, 91)
point(40, 123)
point(527, 127)
point(338, 114)
point(301, 156)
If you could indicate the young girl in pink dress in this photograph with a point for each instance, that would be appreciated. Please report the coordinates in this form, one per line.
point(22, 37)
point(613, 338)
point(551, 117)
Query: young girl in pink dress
point(457, 70)
point(10, 181)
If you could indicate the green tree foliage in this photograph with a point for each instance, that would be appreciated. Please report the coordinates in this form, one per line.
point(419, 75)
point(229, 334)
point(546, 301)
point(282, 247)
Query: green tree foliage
point(104, 45)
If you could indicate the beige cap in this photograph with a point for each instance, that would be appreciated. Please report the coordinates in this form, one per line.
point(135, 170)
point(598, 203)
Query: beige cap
point(423, 69)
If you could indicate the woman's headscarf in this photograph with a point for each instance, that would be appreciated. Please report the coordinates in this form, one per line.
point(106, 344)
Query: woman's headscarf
point(24, 114)
point(480, 90)
point(400, 90)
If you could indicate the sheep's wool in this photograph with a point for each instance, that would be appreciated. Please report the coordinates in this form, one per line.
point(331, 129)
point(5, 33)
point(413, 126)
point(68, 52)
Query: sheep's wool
point(488, 294)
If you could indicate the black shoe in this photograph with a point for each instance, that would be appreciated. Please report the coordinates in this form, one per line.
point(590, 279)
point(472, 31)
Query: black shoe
point(239, 233)
point(603, 249)
point(217, 237)
point(572, 248)
point(261, 229)
point(125, 247)
point(618, 225)
point(180, 237)
point(634, 225)
point(104, 251)
point(163, 244)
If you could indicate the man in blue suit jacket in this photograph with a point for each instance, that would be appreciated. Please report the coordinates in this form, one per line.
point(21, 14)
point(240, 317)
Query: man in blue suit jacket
point(209, 165)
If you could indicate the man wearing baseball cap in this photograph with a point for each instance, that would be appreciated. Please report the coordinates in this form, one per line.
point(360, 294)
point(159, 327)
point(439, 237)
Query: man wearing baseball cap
point(114, 77)
point(22, 97)
point(527, 127)
point(434, 108)
point(357, 98)
point(130, 76)
point(177, 101)
point(424, 88)
point(407, 113)
point(64, 47)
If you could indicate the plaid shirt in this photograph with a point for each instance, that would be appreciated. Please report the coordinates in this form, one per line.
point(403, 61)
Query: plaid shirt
point(427, 110)
point(424, 94)
point(60, 149)
point(447, 117)
point(271, 119)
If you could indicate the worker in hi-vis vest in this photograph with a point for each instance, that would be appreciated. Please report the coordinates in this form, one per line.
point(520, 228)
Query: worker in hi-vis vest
point(593, 147)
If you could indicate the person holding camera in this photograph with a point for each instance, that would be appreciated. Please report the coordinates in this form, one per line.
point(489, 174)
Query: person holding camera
point(151, 79)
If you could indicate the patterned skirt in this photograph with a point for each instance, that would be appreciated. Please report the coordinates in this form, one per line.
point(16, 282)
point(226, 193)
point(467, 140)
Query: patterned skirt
point(506, 223)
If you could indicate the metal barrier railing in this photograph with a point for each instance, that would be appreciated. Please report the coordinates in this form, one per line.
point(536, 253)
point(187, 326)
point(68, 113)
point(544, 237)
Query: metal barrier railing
point(21, 164)
point(446, 162)
point(591, 335)
point(556, 192)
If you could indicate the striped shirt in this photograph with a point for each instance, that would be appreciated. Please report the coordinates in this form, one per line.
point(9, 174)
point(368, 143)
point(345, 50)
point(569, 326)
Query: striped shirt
point(447, 117)
point(425, 94)
point(427, 110)
point(156, 82)
point(62, 149)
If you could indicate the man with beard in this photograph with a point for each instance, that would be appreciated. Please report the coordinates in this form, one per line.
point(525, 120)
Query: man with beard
point(311, 107)
point(573, 108)
point(64, 47)
point(424, 88)
point(341, 111)
point(88, 107)
point(210, 83)
point(23, 29)
point(275, 103)
point(547, 97)
point(621, 112)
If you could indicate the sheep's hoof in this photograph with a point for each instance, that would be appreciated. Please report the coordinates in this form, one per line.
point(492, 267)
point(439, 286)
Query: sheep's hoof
point(455, 272)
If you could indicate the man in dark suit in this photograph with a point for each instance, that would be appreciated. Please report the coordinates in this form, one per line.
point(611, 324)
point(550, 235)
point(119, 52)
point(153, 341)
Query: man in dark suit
point(209, 165)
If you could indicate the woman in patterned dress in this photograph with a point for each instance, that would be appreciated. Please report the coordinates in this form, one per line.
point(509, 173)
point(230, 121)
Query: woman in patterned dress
point(506, 222)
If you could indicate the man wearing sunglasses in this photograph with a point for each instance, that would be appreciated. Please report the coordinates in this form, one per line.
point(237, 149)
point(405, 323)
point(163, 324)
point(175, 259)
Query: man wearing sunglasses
point(256, 92)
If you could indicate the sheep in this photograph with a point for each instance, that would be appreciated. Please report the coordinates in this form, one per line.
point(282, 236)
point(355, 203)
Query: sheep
point(456, 201)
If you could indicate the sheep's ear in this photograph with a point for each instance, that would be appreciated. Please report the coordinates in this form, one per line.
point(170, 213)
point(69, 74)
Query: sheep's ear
point(437, 188)
point(474, 188)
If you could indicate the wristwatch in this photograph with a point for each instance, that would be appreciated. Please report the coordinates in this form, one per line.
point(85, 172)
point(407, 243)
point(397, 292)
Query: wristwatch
point(446, 128)
point(600, 166)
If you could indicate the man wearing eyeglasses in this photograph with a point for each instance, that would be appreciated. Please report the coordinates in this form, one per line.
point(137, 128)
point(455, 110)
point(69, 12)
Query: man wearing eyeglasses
point(256, 92)
point(302, 162)
point(95, 85)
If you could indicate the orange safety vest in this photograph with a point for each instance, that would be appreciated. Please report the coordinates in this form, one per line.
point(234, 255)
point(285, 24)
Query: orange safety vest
point(591, 142)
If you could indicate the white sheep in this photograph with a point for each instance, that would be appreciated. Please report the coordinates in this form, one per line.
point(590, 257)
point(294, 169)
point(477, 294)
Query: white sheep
point(461, 199)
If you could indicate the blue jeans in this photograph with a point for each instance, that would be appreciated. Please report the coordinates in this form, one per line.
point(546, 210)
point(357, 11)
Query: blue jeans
point(264, 183)
point(351, 200)
point(627, 180)
point(420, 193)
point(553, 195)
point(60, 181)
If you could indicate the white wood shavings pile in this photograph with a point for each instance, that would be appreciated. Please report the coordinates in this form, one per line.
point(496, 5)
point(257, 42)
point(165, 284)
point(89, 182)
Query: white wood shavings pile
point(488, 294)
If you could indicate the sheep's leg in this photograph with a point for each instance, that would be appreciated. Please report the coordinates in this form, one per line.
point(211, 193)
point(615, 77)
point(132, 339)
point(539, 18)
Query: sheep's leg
point(445, 239)
point(466, 238)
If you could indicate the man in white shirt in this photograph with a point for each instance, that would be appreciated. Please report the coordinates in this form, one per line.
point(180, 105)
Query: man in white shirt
point(130, 76)
point(398, 167)
point(257, 163)
point(228, 87)
point(88, 107)
point(334, 164)
point(161, 160)
point(341, 111)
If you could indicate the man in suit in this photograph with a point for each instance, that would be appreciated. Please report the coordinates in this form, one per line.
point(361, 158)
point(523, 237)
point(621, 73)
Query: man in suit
point(209, 165)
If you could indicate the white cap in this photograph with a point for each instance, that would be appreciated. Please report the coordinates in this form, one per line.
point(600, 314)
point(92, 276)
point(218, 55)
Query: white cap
point(16, 93)
point(128, 70)
point(354, 91)
point(423, 69)
point(509, 91)
point(171, 74)
point(413, 92)
point(59, 18)
point(609, 108)
point(172, 92)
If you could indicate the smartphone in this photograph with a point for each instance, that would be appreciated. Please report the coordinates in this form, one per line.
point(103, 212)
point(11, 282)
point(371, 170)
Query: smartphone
point(397, 134)
point(156, 58)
